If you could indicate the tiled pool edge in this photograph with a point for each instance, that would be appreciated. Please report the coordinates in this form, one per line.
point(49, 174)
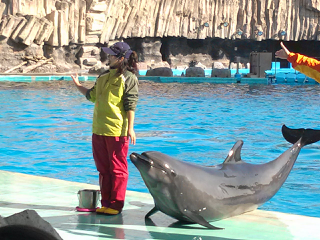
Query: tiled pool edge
point(35, 78)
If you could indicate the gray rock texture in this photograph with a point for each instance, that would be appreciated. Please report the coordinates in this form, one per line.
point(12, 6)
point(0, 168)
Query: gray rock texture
point(162, 71)
point(89, 21)
point(173, 31)
point(3, 222)
point(221, 73)
point(195, 72)
point(31, 219)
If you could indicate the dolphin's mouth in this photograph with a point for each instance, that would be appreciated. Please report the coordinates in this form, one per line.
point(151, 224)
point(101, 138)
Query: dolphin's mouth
point(141, 158)
point(135, 157)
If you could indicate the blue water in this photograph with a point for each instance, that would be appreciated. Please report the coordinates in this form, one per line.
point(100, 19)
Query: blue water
point(46, 131)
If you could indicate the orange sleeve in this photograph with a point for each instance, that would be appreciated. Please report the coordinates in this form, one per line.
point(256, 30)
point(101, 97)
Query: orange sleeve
point(306, 65)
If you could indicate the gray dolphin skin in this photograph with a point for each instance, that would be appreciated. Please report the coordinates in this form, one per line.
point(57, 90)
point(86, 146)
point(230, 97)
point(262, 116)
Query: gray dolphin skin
point(200, 194)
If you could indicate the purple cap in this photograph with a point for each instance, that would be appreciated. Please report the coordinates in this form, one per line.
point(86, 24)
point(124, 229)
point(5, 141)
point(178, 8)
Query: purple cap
point(119, 49)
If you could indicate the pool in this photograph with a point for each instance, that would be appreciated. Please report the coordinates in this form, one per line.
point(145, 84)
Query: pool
point(46, 131)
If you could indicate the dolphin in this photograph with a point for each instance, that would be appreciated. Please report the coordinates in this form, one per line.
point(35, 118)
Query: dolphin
point(200, 194)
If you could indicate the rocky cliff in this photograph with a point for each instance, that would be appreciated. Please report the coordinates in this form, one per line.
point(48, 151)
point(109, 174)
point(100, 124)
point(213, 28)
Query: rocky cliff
point(71, 24)
point(93, 21)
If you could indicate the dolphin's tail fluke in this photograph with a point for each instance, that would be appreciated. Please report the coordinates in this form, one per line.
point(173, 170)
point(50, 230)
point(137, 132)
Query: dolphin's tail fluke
point(307, 136)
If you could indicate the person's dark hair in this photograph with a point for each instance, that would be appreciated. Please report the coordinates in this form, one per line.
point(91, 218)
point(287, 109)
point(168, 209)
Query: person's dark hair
point(129, 64)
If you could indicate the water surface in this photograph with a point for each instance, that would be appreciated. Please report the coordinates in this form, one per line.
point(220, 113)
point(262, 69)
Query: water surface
point(46, 131)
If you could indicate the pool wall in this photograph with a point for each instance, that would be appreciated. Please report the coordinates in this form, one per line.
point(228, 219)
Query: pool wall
point(35, 78)
point(268, 80)
point(275, 75)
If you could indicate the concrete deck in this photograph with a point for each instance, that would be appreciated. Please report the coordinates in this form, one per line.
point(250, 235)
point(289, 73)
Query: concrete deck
point(55, 201)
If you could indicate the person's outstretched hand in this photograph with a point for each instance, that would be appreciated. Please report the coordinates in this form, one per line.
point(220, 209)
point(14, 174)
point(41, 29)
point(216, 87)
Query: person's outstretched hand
point(76, 80)
point(282, 53)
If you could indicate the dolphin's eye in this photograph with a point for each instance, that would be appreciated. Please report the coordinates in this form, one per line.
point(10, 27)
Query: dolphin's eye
point(173, 173)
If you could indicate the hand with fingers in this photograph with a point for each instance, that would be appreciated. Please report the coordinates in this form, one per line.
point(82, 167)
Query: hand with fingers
point(76, 79)
point(81, 88)
point(282, 53)
point(132, 136)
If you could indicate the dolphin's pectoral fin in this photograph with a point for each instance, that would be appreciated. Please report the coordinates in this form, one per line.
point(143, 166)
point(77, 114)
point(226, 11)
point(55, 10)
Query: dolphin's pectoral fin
point(151, 212)
point(199, 219)
point(308, 135)
point(234, 155)
point(149, 222)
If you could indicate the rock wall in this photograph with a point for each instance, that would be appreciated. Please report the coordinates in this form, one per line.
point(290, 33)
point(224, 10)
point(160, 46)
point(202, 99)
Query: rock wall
point(163, 32)
point(93, 21)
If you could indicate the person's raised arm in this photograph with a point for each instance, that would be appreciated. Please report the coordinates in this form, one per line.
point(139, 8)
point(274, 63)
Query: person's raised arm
point(282, 53)
point(306, 65)
point(81, 88)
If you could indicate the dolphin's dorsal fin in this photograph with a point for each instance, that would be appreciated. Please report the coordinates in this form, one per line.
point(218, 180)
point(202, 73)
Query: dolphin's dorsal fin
point(234, 154)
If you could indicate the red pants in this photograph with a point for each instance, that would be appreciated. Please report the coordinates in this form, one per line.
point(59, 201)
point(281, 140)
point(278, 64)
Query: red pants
point(110, 156)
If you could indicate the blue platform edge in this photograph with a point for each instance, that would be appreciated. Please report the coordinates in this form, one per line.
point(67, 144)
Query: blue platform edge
point(276, 75)
point(282, 79)
point(34, 78)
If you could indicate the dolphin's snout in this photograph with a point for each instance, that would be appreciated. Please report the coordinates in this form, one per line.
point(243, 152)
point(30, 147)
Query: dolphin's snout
point(135, 157)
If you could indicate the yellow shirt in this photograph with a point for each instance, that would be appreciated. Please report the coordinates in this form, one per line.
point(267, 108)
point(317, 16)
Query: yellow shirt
point(111, 94)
